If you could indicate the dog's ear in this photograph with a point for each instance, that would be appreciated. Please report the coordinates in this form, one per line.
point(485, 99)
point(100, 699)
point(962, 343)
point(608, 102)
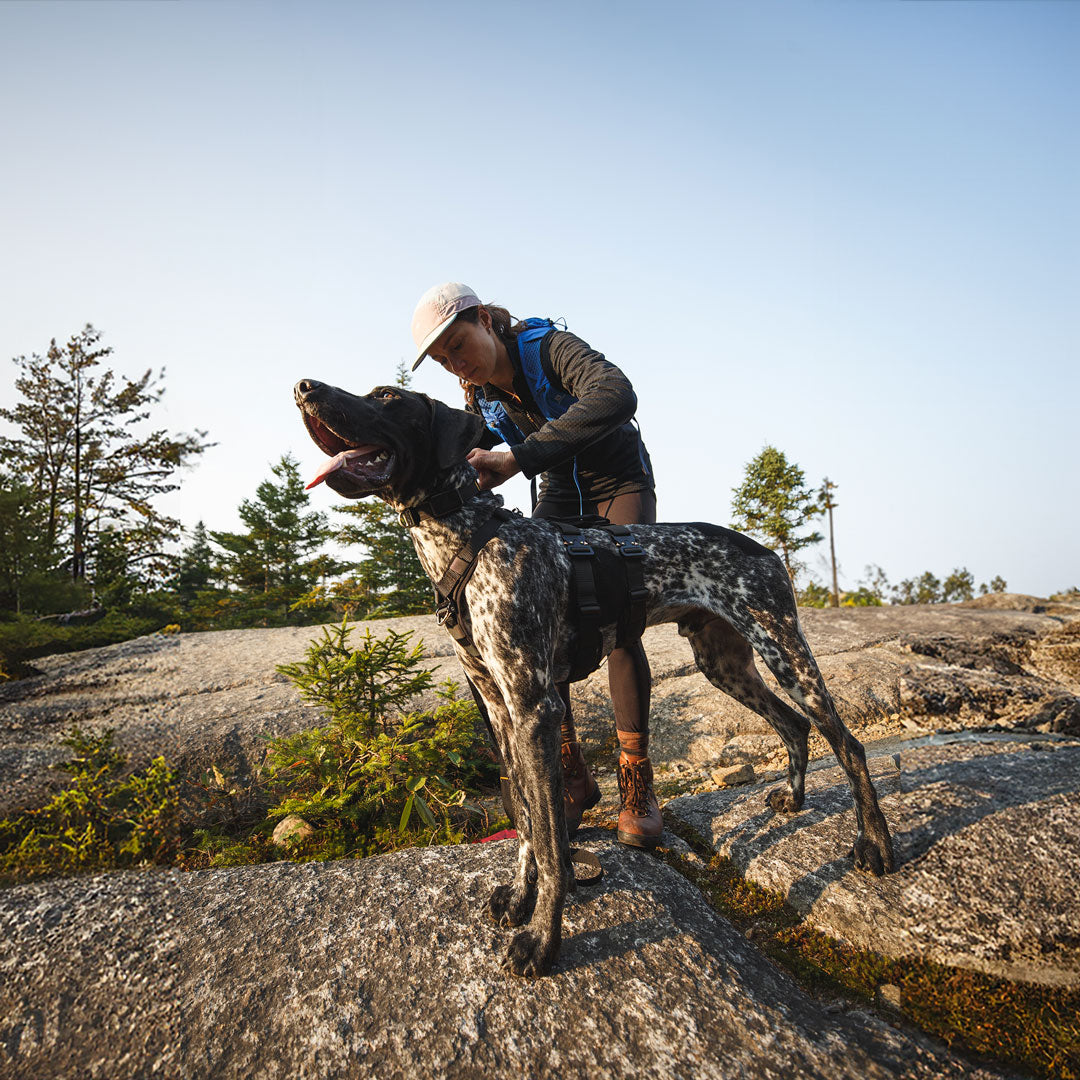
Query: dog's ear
point(454, 432)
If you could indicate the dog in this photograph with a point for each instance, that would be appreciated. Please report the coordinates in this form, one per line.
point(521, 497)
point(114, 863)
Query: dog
point(729, 595)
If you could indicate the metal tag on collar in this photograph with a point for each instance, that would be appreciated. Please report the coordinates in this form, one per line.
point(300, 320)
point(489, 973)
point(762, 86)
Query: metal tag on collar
point(409, 518)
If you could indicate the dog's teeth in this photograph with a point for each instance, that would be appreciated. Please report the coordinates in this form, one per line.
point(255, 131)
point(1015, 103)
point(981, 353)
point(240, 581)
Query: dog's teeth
point(382, 456)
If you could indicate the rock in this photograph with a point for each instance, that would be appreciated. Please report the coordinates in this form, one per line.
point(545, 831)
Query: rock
point(196, 699)
point(984, 830)
point(386, 967)
point(291, 829)
point(889, 999)
point(733, 775)
point(200, 699)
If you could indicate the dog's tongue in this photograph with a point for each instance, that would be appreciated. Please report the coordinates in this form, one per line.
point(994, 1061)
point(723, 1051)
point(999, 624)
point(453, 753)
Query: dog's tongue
point(337, 461)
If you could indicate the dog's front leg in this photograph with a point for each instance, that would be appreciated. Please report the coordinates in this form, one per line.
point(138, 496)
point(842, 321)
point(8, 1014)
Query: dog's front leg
point(538, 776)
point(512, 904)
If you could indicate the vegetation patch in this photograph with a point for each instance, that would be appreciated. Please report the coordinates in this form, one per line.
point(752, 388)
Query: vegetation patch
point(104, 819)
point(364, 783)
point(1023, 1025)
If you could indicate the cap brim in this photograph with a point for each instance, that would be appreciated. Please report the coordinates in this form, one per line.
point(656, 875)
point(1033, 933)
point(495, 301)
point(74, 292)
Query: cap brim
point(432, 338)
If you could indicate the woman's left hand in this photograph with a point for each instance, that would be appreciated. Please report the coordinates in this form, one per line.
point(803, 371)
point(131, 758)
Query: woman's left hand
point(494, 466)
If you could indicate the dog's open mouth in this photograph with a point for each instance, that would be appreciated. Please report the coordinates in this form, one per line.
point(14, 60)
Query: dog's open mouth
point(363, 467)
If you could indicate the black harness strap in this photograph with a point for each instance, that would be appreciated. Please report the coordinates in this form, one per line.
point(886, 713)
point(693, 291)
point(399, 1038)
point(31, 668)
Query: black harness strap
point(448, 592)
point(634, 562)
point(439, 505)
point(583, 596)
point(625, 607)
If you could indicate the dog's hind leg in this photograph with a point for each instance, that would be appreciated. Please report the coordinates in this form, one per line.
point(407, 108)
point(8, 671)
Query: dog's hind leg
point(776, 634)
point(726, 659)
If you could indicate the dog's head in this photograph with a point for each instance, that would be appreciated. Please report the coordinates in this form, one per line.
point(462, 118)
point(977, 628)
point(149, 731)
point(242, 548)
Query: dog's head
point(392, 442)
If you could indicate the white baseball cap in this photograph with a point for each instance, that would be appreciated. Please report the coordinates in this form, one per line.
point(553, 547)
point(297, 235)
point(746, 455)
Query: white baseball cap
point(437, 309)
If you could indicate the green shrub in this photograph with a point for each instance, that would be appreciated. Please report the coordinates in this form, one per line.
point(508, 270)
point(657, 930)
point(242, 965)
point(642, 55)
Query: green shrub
point(102, 820)
point(374, 778)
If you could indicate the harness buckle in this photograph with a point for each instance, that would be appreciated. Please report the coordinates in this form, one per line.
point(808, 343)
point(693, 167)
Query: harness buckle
point(631, 550)
point(446, 614)
point(577, 545)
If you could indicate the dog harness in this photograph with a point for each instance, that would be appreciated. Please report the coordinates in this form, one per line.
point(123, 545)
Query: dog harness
point(605, 586)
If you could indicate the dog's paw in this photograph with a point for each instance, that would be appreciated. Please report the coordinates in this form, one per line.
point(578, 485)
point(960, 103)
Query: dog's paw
point(783, 801)
point(508, 908)
point(529, 956)
point(869, 856)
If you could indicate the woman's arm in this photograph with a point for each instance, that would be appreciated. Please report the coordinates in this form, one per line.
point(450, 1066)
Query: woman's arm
point(606, 401)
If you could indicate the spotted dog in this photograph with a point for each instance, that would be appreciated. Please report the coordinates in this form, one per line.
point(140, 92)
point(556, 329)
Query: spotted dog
point(729, 595)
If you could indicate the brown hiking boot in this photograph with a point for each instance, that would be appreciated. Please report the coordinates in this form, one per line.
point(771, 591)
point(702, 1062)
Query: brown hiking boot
point(640, 823)
point(580, 791)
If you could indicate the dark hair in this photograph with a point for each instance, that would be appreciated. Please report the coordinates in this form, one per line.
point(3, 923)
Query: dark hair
point(506, 329)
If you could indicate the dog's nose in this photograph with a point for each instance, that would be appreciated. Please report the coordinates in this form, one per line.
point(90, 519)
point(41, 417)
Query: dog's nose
point(305, 387)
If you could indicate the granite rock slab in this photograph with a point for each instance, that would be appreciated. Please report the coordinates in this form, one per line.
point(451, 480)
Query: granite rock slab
point(387, 967)
point(986, 839)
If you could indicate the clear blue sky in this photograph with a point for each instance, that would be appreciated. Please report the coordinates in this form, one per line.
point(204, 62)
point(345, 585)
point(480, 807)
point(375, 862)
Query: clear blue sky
point(846, 229)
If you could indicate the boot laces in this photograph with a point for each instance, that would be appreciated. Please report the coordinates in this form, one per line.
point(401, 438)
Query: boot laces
point(634, 788)
point(570, 762)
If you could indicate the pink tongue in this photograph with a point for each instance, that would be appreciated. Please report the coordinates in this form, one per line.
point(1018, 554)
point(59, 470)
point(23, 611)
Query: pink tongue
point(337, 461)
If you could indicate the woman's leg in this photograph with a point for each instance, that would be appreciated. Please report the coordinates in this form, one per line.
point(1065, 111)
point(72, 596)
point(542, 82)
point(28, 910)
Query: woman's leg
point(630, 683)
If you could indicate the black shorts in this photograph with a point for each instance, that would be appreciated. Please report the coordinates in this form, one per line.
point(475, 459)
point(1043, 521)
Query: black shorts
point(630, 508)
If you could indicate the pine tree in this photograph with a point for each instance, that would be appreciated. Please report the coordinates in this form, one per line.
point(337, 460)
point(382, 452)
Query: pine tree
point(22, 521)
point(81, 452)
point(195, 571)
point(275, 561)
point(773, 505)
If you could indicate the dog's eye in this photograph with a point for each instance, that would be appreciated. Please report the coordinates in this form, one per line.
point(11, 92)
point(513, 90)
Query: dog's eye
point(382, 395)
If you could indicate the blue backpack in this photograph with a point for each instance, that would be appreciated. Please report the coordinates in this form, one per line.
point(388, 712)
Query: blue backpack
point(551, 402)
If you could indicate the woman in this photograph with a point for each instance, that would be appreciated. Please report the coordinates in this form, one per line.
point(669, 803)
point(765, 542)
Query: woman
point(565, 413)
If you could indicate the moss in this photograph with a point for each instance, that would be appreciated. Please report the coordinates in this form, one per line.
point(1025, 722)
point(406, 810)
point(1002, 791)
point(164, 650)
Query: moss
point(1036, 1028)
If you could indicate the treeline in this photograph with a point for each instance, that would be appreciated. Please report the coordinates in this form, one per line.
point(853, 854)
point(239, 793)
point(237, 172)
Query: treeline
point(774, 504)
point(88, 558)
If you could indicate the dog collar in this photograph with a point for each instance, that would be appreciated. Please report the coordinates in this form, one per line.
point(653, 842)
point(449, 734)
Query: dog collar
point(439, 505)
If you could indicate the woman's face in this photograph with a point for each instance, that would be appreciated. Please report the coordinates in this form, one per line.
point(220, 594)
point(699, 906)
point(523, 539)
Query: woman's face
point(468, 349)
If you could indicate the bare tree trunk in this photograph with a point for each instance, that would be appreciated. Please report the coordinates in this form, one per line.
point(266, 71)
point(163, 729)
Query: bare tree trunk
point(834, 600)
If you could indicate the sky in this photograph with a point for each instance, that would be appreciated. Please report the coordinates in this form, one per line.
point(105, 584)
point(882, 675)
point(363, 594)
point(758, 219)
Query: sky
point(846, 230)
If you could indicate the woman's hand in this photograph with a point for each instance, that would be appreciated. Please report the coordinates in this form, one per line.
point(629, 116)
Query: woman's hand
point(494, 466)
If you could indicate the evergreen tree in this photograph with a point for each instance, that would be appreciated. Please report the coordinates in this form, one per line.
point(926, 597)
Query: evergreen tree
point(925, 589)
point(959, 585)
point(22, 520)
point(275, 561)
point(389, 580)
point(195, 570)
point(80, 451)
point(773, 504)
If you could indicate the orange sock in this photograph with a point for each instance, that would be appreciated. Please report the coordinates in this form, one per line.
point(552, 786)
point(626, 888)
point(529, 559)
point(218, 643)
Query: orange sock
point(634, 744)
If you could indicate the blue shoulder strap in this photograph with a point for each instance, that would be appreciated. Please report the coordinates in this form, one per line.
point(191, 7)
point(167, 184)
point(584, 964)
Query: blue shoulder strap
point(552, 401)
